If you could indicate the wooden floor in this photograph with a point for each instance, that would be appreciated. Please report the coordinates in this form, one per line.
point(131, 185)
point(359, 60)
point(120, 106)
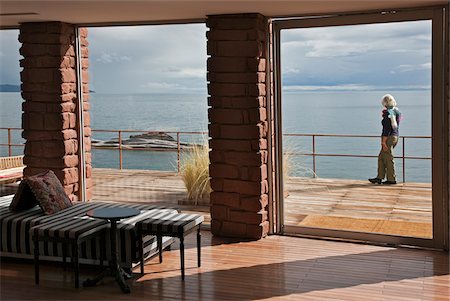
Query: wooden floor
point(402, 209)
point(275, 268)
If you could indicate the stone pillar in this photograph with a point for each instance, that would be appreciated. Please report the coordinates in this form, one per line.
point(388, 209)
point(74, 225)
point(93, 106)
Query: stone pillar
point(238, 124)
point(49, 90)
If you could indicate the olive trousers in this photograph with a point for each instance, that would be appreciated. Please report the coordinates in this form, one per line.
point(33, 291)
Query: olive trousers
point(386, 165)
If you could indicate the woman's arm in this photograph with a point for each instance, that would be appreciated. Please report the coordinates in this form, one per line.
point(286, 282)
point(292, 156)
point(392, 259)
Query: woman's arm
point(384, 143)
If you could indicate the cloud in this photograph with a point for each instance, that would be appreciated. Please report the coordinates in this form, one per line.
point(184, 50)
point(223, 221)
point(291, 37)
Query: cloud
point(144, 59)
point(187, 72)
point(347, 87)
point(113, 57)
point(357, 57)
point(156, 85)
point(170, 87)
point(333, 48)
point(410, 68)
point(352, 87)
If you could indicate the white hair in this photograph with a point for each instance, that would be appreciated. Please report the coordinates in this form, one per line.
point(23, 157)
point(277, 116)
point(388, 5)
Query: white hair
point(388, 101)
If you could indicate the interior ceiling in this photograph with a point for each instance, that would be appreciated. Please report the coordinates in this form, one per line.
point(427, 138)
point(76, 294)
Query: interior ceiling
point(12, 13)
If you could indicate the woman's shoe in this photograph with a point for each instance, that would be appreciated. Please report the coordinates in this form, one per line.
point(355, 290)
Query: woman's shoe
point(390, 182)
point(375, 181)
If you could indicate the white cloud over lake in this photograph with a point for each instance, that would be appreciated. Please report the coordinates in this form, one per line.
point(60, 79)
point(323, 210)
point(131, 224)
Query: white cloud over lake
point(372, 57)
point(172, 58)
point(148, 59)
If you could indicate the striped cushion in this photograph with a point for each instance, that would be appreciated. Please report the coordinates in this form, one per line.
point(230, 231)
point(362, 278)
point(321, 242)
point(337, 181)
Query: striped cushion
point(71, 228)
point(170, 223)
point(16, 240)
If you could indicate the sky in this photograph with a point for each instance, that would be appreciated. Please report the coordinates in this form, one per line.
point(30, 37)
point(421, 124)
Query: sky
point(172, 58)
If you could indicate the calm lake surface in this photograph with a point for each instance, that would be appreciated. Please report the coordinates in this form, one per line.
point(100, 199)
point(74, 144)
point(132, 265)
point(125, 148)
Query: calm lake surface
point(344, 112)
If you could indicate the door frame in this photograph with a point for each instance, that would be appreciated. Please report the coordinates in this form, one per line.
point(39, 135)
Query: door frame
point(440, 164)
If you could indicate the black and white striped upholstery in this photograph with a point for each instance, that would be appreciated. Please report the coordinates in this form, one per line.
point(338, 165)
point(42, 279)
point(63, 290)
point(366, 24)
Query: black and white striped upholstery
point(170, 224)
point(174, 225)
point(16, 240)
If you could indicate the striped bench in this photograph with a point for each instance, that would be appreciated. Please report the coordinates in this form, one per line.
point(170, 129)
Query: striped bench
point(16, 239)
point(70, 232)
point(173, 225)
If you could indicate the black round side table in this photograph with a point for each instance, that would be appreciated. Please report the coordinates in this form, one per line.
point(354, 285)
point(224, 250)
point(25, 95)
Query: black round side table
point(113, 215)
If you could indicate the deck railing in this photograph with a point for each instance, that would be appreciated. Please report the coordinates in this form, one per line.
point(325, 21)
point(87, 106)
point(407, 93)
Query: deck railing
point(178, 149)
point(315, 154)
point(121, 148)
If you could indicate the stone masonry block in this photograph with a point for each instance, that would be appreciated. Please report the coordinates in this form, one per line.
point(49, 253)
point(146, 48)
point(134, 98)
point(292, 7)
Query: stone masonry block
point(214, 130)
point(244, 132)
point(223, 171)
point(233, 229)
point(244, 158)
point(216, 227)
point(235, 48)
point(226, 116)
point(235, 35)
point(239, 77)
point(225, 198)
point(254, 203)
point(216, 184)
point(233, 90)
point(242, 187)
point(234, 145)
point(219, 212)
point(258, 231)
point(216, 156)
point(247, 217)
point(236, 64)
point(237, 102)
point(67, 175)
point(236, 21)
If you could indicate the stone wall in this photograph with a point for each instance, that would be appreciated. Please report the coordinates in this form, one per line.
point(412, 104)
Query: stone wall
point(238, 124)
point(49, 90)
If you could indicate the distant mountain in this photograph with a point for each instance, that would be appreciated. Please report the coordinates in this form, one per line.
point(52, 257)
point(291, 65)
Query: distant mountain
point(9, 88)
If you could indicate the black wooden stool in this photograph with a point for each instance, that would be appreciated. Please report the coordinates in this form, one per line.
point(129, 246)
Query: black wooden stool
point(72, 232)
point(173, 225)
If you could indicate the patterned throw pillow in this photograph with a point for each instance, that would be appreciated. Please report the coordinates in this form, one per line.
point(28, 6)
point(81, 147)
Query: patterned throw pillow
point(23, 199)
point(49, 192)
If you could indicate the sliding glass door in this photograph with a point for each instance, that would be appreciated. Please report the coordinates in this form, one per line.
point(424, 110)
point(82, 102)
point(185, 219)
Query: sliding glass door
point(331, 74)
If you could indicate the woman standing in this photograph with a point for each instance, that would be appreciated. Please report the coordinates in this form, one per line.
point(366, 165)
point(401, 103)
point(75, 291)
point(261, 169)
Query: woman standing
point(389, 139)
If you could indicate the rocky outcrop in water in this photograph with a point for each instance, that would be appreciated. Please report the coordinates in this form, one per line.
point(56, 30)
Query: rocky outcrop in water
point(152, 140)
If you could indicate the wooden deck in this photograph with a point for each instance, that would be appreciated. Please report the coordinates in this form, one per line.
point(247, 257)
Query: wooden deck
point(402, 209)
point(273, 268)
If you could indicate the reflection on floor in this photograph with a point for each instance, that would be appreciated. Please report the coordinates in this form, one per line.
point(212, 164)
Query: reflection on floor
point(276, 267)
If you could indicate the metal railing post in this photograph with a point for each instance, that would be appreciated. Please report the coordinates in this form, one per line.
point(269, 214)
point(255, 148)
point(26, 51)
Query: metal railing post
point(314, 154)
point(178, 152)
point(120, 150)
point(9, 143)
point(403, 158)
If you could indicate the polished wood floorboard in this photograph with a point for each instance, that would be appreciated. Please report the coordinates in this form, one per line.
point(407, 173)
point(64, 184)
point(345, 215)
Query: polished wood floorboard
point(402, 209)
point(273, 268)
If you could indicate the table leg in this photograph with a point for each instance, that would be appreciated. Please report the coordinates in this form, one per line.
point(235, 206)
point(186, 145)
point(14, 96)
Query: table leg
point(199, 247)
point(160, 247)
point(114, 269)
point(76, 265)
point(36, 260)
point(182, 256)
point(141, 250)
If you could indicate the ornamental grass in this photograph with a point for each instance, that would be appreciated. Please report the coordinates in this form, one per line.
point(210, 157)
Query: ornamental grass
point(195, 174)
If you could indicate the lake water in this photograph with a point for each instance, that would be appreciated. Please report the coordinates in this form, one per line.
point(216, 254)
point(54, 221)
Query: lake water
point(344, 112)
